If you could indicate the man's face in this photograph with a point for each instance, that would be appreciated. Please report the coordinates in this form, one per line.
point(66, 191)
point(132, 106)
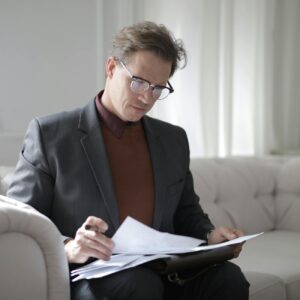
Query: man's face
point(118, 96)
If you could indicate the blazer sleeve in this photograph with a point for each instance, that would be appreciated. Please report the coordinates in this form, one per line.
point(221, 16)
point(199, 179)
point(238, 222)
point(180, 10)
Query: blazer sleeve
point(32, 182)
point(190, 219)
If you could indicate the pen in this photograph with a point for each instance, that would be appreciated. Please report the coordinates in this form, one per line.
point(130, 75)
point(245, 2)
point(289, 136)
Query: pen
point(92, 228)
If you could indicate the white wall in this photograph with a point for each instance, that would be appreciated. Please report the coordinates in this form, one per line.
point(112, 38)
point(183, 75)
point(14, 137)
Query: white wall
point(48, 63)
point(52, 56)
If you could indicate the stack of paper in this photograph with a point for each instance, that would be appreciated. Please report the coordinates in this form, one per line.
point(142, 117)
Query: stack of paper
point(136, 244)
point(118, 262)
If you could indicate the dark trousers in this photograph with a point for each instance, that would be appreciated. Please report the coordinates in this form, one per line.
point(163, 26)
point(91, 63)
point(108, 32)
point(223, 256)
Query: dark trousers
point(225, 281)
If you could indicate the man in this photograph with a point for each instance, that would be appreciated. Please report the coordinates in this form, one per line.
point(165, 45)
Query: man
point(98, 164)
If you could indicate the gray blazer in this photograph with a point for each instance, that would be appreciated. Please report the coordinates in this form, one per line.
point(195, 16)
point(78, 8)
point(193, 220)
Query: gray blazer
point(63, 172)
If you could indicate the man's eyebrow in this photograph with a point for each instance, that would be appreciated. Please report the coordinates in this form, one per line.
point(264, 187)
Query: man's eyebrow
point(156, 85)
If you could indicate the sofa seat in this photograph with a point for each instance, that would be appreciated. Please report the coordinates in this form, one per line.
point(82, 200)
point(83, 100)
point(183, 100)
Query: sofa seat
point(265, 286)
point(275, 253)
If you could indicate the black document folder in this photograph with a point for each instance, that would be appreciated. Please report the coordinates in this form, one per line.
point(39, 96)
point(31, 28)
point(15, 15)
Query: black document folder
point(192, 261)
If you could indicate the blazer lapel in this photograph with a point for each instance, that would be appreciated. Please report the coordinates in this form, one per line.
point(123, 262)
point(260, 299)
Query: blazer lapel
point(159, 162)
point(94, 149)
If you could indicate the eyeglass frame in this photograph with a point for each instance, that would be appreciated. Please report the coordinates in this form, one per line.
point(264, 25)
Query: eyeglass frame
point(153, 86)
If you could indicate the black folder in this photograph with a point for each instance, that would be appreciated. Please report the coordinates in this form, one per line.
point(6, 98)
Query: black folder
point(192, 261)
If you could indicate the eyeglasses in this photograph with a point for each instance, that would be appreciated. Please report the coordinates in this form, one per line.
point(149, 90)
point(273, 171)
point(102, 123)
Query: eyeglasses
point(140, 85)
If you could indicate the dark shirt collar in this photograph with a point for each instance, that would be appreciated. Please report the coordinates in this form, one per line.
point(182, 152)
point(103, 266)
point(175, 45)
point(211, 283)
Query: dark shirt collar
point(111, 121)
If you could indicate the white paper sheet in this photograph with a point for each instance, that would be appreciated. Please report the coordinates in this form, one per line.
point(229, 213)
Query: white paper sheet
point(133, 237)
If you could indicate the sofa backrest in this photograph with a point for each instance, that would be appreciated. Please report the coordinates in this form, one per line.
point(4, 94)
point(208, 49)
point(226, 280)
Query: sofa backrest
point(253, 194)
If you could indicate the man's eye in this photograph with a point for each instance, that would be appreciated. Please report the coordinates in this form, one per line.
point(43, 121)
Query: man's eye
point(139, 81)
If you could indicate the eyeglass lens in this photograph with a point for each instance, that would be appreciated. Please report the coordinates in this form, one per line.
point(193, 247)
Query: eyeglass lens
point(139, 86)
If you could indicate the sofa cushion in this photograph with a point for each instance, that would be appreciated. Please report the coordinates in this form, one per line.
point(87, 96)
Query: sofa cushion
point(233, 191)
point(275, 253)
point(265, 286)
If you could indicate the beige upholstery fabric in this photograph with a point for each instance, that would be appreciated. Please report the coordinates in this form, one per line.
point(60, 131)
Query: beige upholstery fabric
point(258, 194)
point(254, 194)
point(275, 253)
point(265, 286)
point(33, 264)
point(232, 191)
point(288, 196)
point(19, 254)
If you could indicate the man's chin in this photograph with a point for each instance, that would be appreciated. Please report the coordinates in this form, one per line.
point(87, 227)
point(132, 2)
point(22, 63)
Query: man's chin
point(134, 118)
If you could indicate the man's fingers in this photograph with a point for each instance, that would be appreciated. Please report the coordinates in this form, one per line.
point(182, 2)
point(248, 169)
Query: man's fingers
point(93, 249)
point(93, 229)
point(237, 232)
point(81, 252)
point(231, 233)
point(95, 224)
point(98, 254)
point(85, 247)
point(99, 240)
point(90, 241)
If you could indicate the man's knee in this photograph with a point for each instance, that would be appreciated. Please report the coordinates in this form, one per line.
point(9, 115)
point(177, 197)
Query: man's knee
point(237, 287)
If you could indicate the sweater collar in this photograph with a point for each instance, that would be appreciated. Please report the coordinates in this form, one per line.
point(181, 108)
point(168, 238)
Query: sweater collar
point(111, 121)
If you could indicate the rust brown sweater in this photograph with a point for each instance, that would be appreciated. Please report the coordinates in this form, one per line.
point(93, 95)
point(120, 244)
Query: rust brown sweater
point(131, 167)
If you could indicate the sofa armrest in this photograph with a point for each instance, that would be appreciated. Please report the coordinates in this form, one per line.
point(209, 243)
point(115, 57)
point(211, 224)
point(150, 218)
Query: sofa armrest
point(32, 255)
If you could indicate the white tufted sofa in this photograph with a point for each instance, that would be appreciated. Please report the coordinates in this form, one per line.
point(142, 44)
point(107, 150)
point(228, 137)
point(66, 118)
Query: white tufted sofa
point(33, 264)
point(255, 195)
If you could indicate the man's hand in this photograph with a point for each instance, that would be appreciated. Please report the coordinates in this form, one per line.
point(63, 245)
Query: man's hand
point(222, 234)
point(89, 243)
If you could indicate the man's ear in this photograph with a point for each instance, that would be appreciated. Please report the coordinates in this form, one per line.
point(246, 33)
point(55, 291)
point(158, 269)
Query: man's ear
point(110, 66)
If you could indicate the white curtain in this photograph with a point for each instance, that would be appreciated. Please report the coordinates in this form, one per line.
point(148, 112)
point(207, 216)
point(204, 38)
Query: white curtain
point(286, 77)
point(225, 97)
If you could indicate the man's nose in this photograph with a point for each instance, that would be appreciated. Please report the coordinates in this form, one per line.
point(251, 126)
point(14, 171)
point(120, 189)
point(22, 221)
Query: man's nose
point(147, 97)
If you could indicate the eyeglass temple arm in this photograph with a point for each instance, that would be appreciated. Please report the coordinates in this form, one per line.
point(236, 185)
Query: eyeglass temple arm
point(170, 86)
